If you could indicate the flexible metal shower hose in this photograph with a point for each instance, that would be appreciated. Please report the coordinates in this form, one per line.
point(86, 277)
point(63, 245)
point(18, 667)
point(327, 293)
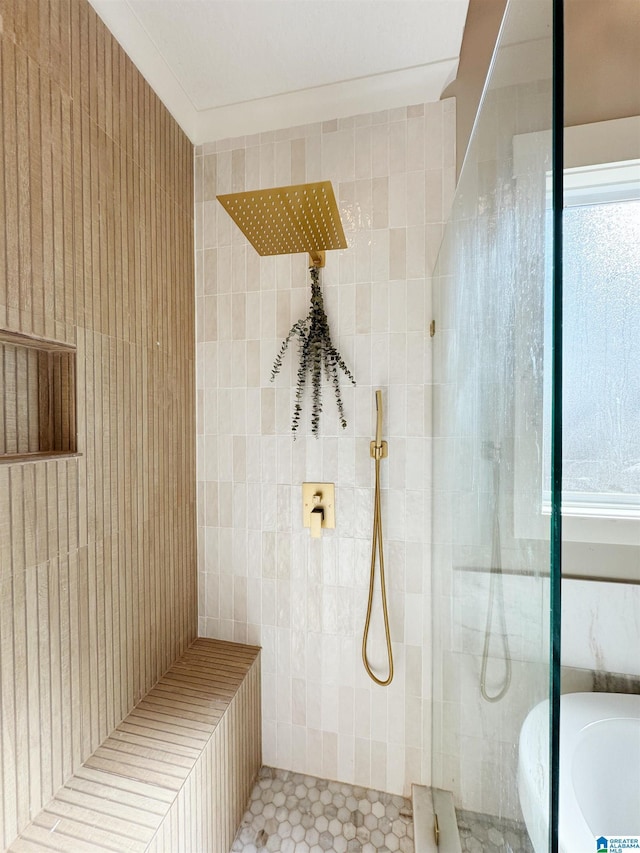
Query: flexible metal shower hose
point(496, 596)
point(377, 549)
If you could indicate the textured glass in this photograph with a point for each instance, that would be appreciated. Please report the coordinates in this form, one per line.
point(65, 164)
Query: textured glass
point(491, 536)
point(601, 354)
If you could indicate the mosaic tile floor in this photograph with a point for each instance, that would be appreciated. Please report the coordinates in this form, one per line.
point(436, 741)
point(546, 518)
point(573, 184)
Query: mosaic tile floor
point(481, 833)
point(301, 814)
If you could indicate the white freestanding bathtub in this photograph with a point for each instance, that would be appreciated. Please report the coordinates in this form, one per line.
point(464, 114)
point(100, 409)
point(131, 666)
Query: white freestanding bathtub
point(599, 770)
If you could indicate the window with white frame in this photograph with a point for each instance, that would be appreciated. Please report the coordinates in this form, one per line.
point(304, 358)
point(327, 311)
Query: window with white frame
point(601, 343)
point(601, 357)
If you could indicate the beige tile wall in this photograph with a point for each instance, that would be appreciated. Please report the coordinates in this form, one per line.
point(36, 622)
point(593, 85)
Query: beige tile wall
point(97, 553)
point(261, 578)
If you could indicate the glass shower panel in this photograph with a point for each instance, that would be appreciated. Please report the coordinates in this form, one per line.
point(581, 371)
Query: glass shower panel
point(491, 523)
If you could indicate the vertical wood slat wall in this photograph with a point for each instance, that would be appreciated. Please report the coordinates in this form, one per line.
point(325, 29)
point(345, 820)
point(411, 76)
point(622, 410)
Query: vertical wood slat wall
point(209, 807)
point(97, 554)
point(176, 774)
point(20, 392)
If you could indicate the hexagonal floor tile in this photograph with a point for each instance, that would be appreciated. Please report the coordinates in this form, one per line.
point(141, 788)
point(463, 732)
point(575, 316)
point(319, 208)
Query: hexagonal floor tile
point(291, 813)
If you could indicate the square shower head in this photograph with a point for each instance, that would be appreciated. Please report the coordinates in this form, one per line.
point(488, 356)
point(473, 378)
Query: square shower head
point(283, 220)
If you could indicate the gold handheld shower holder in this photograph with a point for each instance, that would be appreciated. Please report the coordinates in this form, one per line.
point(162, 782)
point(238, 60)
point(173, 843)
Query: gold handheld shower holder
point(378, 451)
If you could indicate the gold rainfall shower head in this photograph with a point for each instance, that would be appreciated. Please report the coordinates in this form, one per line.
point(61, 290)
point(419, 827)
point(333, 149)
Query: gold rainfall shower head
point(282, 220)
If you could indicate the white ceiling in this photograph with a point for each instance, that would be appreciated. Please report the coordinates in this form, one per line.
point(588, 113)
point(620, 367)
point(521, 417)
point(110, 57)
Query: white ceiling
point(233, 67)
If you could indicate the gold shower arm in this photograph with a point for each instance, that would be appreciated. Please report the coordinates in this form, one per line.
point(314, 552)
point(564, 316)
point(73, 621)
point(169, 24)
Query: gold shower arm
point(316, 258)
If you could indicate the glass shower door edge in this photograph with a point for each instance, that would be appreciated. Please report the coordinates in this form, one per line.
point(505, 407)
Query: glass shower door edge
point(555, 592)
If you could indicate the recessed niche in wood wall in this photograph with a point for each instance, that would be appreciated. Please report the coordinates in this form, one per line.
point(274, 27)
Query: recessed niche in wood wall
point(38, 398)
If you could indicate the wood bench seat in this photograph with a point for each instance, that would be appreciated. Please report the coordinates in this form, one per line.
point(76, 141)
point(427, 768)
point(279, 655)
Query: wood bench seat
point(176, 774)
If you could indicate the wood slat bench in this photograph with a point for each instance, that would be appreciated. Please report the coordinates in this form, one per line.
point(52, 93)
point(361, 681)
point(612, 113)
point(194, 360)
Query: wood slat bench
point(176, 774)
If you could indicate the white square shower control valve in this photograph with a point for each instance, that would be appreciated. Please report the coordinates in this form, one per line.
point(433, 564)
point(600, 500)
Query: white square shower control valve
point(319, 496)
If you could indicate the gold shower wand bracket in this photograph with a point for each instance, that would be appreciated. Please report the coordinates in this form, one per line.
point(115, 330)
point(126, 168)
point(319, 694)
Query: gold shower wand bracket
point(378, 451)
